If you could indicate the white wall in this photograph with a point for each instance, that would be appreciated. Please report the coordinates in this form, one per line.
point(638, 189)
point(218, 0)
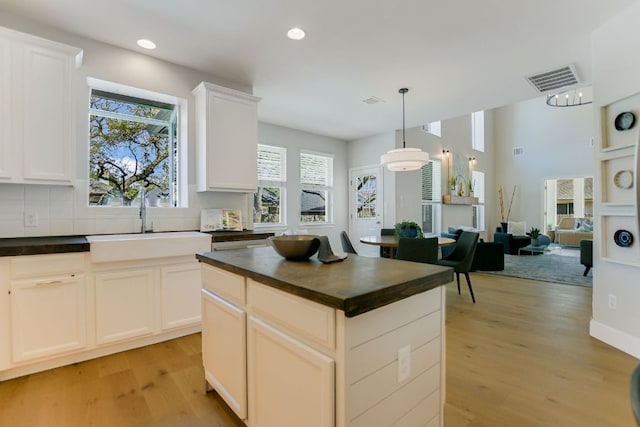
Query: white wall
point(616, 73)
point(557, 144)
point(295, 141)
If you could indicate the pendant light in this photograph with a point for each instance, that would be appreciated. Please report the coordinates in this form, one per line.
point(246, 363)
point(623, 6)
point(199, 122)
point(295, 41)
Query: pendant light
point(404, 159)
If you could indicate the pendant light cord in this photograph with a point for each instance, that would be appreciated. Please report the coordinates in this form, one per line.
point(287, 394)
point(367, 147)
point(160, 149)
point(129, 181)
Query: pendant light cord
point(403, 91)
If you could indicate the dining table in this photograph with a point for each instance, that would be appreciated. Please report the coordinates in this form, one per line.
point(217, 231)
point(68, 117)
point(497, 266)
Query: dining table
point(391, 242)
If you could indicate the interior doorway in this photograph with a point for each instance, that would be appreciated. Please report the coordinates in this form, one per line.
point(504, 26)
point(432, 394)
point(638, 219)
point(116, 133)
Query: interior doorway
point(567, 197)
point(365, 207)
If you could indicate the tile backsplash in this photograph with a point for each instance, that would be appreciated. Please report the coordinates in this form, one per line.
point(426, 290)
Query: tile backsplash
point(43, 210)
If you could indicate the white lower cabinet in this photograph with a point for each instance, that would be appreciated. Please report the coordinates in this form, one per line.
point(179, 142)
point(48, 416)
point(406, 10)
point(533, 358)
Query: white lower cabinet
point(224, 350)
point(124, 305)
point(290, 383)
point(48, 316)
point(180, 295)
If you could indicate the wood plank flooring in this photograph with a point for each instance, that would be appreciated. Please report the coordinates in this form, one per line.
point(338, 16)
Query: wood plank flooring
point(521, 356)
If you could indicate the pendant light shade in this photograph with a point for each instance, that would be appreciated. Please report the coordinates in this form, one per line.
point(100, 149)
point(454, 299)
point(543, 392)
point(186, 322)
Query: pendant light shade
point(404, 159)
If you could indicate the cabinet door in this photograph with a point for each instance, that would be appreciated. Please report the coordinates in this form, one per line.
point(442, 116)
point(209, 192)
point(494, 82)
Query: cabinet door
point(48, 316)
point(47, 114)
point(180, 295)
point(124, 305)
point(224, 341)
point(290, 384)
point(6, 155)
point(232, 137)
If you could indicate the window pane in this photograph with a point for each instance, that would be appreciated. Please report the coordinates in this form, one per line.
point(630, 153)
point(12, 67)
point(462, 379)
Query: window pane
point(271, 163)
point(133, 144)
point(313, 205)
point(431, 181)
point(316, 177)
point(366, 189)
point(268, 201)
point(267, 205)
point(477, 131)
point(315, 169)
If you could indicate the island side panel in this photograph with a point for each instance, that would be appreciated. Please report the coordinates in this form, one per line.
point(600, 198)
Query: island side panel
point(370, 390)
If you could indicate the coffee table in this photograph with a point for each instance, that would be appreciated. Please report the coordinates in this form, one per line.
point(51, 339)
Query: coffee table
point(534, 249)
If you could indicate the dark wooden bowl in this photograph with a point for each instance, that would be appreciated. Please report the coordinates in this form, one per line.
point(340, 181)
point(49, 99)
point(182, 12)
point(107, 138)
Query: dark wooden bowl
point(297, 247)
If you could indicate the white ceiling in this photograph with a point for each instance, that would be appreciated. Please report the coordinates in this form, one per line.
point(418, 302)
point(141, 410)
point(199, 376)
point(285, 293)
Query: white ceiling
point(455, 56)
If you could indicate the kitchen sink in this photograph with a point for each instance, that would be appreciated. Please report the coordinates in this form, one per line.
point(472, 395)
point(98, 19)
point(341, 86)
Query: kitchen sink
point(135, 246)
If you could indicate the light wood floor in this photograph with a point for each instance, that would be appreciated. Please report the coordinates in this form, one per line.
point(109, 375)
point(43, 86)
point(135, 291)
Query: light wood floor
point(521, 356)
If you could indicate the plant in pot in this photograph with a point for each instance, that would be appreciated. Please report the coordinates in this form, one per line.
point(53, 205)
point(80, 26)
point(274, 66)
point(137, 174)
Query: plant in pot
point(408, 229)
point(534, 233)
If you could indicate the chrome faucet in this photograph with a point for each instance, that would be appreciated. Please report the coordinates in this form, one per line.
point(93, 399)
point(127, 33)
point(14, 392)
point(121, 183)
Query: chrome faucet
point(143, 210)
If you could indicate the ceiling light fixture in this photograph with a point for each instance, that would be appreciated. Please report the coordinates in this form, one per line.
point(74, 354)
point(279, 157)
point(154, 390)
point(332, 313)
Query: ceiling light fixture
point(404, 159)
point(296, 33)
point(569, 98)
point(146, 44)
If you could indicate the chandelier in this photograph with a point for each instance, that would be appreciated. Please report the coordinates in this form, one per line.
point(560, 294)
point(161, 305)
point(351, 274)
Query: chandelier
point(570, 98)
point(404, 159)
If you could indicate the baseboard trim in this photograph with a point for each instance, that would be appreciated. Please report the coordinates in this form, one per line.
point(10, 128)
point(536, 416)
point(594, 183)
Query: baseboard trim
point(615, 338)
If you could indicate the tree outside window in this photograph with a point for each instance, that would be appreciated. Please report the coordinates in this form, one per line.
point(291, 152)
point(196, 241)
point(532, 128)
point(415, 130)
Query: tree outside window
point(132, 145)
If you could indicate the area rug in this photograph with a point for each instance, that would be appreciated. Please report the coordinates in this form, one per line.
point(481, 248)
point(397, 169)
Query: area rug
point(547, 268)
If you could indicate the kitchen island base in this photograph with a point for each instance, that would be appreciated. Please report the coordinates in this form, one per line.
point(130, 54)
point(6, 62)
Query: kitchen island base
point(282, 360)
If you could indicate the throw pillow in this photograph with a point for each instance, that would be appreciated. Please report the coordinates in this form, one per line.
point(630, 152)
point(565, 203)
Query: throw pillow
point(517, 228)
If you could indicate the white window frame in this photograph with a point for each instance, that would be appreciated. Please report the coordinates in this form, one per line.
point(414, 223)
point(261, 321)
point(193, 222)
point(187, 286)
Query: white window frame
point(182, 190)
point(477, 131)
point(435, 202)
point(278, 182)
point(326, 187)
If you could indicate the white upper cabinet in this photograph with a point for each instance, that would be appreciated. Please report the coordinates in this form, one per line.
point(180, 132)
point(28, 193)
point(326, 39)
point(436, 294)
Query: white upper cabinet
point(37, 140)
point(226, 139)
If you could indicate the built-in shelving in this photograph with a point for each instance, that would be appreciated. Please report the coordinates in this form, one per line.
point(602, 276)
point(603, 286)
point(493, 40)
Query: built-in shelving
point(449, 199)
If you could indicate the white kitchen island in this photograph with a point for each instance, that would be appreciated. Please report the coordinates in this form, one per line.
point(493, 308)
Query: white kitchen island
point(355, 343)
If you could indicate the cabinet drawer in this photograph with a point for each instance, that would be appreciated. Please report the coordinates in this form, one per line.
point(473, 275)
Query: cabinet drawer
point(307, 319)
point(46, 265)
point(227, 285)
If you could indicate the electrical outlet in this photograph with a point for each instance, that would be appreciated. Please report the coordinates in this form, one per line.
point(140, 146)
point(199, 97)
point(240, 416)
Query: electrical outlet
point(613, 301)
point(30, 219)
point(404, 363)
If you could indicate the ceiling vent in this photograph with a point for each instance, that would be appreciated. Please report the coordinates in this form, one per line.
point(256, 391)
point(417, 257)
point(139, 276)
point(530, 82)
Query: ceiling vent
point(372, 100)
point(518, 151)
point(554, 79)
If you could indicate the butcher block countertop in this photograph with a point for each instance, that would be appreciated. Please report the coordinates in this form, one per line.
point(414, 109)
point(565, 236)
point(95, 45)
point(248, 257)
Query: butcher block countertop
point(43, 245)
point(356, 285)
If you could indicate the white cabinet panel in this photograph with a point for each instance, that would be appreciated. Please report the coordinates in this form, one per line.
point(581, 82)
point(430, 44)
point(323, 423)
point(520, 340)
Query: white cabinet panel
point(48, 316)
point(224, 350)
point(6, 154)
point(37, 109)
point(226, 139)
point(124, 305)
point(47, 114)
point(282, 371)
point(180, 294)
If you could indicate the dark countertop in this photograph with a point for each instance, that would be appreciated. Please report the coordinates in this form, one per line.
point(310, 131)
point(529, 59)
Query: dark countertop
point(235, 236)
point(43, 245)
point(355, 285)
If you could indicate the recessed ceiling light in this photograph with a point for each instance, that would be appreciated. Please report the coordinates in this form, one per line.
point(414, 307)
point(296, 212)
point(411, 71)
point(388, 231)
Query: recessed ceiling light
point(296, 33)
point(146, 44)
